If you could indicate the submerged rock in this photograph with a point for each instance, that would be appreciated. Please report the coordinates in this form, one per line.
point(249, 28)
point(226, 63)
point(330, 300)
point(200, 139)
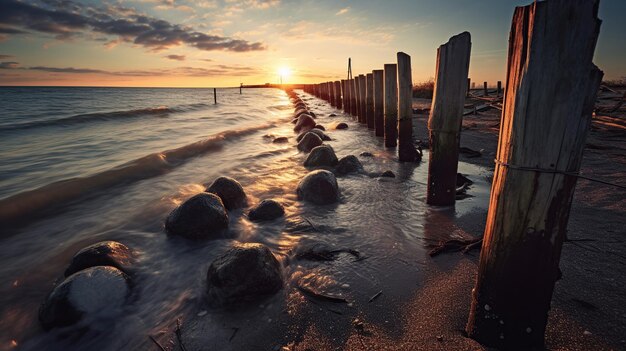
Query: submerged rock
point(245, 272)
point(93, 292)
point(280, 140)
point(309, 141)
point(317, 131)
point(105, 253)
point(230, 191)
point(388, 174)
point(266, 210)
point(319, 187)
point(349, 164)
point(321, 156)
point(201, 217)
point(341, 125)
point(304, 122)
point(366, 154)
point(319, 126)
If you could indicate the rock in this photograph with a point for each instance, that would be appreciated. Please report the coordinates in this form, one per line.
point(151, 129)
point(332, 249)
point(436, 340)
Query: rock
point(341, 125)
point(408, 153)
point(462, 180)
point(304, 122)
point(280, 140)
point(246, 272)
point(319, 187)
point(321, 156)
point(349, 164)
point(319, 126)
point(105, 253)
point(300, 104)
point(93, 292)
point(312, 114)
point(230, 191)
point(266, 210)
point(201, 217)
point(388, 174)
point(301, 112)
point(332, 115)
point(319, 133)
point(309, 141)
point(366, 154)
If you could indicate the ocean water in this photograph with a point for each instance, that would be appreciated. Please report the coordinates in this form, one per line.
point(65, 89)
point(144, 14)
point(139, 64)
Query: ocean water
point(82, 165)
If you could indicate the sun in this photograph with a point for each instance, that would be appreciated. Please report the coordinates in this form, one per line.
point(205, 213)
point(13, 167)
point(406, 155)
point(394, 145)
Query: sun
point(284, 72)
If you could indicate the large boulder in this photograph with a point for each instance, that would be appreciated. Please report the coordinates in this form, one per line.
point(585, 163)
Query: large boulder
point(317, 131)
point(201, 217)
point(302, 111)
point(245, 272)
point(96, 292)
point(321, 156)
point(309, 141)
point(105, 253)
point(319, 187)
point(304, 122)
point(230, 191)
point(266, 210)
point(349, 164)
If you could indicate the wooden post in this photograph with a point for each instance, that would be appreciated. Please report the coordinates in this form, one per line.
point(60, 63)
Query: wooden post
point(391, 104)
point(215, 96)
point(406, 149)
point(344, 98)
point(379, 114)
point(240, 87)
point(499, 91)
point(469, 81)
point(362, 98)
point(369, 100)
point(357, 97)
point(352, 95)
point(485, 88)
point(332, 94)
point(338, 94)
point(550, 92)
point(446, 116)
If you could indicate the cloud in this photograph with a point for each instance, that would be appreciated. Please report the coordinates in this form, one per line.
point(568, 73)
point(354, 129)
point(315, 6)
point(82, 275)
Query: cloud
point(4, 57)
point(343, 11)
point(65, 19)
point(66, 70)
point(9, 65)
point(176, 57)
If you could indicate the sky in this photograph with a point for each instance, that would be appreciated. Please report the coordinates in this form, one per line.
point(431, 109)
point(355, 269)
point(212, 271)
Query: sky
point(222, 43)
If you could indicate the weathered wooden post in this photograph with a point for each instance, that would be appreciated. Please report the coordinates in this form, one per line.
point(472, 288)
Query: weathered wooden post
point(215, 96)
point(344, 93)
point(362, 97)
point(446, 115)
point(240, 87)
point(379, 115)
point(485, 89)
point(353, 96)
point(406, 149)
point(549, 97)
point(357, 97)
point(338, 94)
point(499, 91)
point(332, 94)
point(391, 104)
point(469, 81)
point(369, 101)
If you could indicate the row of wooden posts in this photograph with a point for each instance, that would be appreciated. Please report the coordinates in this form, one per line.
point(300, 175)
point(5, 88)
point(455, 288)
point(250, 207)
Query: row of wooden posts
point(546, 114)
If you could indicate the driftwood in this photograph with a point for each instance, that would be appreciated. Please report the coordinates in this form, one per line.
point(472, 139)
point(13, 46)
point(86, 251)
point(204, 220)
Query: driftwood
point(455, 245)
point(328, 298)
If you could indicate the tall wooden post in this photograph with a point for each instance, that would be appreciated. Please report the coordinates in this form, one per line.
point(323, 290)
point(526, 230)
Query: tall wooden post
point(446, 116)
point(215, 96)
point(499, 91)
point(379, 115)
point(362, 97)
point(357, 98)
point(353, 97)
point(406, 149)
point(485, 89)
point(338, 94)
point(391, 104)
point(369, 100)
point(332, 94)
point(469, 81)
point(549, 97)
point(344, 93)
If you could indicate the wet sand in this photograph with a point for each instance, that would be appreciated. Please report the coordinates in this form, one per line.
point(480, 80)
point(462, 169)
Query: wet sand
point(425, 301)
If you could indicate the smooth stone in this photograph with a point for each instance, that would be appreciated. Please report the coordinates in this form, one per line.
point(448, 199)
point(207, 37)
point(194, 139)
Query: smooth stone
point(304, 122)
point(280, 140)
point(246, 272)
point(388, 174)
point(309, 141)
point(266, 210)
point(301, 111)
point(105, 253)
point(366, 154)
point(319, 133)
point(93, 292)
point(319, 187)
point(349, 164)
point(319, 126)
point(332, 115)
point(230, 191)
point(321, 156)
point(203, 216)
point(341, 125)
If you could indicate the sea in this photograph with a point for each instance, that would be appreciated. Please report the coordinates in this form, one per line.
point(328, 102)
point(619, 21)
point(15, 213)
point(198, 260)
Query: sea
point(81, 165)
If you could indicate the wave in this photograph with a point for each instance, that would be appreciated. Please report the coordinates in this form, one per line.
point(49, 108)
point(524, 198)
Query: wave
point(37, 201)
point(105, 116)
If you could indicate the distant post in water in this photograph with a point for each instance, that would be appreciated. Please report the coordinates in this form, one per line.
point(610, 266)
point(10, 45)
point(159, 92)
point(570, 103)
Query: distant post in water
point(369, 100)
point(331, 94)
point(353, 96)
point(499, 91)
point(391, 104)
point(406, 149)
point(338, 94)
point(240, 87)
point(379, 116)
point(215, 96)
point(344, 98)
point(485, 88)
point(549, 97)
point(446, 115)
point(362, 102)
